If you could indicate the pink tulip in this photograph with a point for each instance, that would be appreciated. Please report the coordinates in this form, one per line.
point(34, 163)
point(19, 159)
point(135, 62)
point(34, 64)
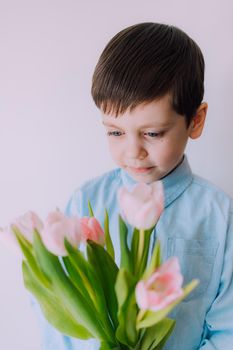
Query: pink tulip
point(142, 207)
point(162, 288)
point(92, 230)
point(57, 227)
point(27, 223)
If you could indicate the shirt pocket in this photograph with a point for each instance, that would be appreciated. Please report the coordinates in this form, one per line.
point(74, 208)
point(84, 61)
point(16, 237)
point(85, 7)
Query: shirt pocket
point(196, 258)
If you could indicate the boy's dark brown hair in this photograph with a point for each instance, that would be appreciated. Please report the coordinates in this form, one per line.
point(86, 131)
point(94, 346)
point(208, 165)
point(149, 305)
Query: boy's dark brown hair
point(146, 61)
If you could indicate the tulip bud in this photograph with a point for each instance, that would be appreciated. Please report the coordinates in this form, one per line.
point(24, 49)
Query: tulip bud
point(162, 288)
point(142, 207)
point(57, 227)
point(92, 230)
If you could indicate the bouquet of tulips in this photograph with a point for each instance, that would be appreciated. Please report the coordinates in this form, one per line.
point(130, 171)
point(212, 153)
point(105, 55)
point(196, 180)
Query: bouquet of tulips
point(69, 266)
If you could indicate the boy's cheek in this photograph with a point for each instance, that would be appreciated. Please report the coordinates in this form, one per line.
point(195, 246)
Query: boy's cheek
point(115, 155)
point(115, 150)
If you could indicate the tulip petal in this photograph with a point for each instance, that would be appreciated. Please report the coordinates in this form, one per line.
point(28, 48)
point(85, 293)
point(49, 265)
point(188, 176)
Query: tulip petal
point(143, 206)
point(141, 295)
point(162, 288)
point(57, 227)
point(27, 223)
point(91, 229)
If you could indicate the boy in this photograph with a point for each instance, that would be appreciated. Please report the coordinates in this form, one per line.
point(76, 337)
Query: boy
point(149, 86)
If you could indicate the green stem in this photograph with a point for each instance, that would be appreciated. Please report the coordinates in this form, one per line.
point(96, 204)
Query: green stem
point(140, 248)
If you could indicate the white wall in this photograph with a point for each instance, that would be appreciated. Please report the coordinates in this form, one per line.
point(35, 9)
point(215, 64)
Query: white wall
point(51, 139)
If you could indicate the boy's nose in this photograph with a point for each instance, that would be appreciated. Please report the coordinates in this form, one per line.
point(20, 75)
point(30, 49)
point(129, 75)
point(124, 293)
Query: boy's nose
point(135, 150)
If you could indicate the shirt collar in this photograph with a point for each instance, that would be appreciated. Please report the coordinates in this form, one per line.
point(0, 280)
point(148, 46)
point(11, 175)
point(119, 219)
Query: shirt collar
point(174, 183)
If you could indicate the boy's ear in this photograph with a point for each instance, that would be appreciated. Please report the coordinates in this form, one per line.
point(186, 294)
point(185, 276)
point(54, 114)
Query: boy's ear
point(198, 121)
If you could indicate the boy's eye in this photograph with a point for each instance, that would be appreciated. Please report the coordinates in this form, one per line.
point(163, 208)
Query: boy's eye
point(114, 133)
point(150, 134)
point(155, 134)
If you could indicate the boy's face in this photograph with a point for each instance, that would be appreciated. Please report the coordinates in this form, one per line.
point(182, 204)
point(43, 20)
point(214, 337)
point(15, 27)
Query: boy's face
point(148, 142)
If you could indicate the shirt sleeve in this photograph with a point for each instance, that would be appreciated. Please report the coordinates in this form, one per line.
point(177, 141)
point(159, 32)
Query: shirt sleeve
point(218, 331)
point(75, 204)
point(51, 338)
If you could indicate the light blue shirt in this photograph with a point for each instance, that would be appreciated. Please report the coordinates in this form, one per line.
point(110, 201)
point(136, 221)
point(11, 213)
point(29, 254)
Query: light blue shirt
point(196, 226)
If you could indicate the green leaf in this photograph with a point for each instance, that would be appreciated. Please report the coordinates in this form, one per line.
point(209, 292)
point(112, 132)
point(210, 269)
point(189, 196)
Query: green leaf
point(104, 346)
point(151, 318)
point(108, 240)
point(130, 309)
point(127, 308)
point(78, 268)
point(27, 250)
point(125, 282)
point(125, 252)
point(156, 336)
point(143, 262)
point(109, 346)
point(76, 279)
point(134, 247)
point(87, 281)
point(20, 236)
point(91, 213)
point(106, 270)
point(155, 261)
point(52, 307)
point(72, 299)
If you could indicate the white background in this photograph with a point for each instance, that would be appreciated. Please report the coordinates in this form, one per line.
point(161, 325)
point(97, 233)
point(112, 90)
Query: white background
point(51, 138)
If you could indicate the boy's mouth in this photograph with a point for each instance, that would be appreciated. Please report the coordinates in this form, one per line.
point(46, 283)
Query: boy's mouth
point(141, 170)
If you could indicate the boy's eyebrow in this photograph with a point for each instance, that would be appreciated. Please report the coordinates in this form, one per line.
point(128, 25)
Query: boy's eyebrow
point(162, 125)
point(107, 124)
